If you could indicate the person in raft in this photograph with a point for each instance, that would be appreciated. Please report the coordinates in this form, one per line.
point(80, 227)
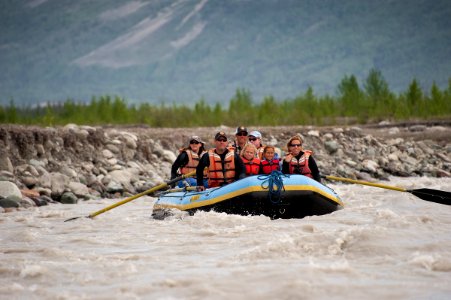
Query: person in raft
point(269, 162)
point(187, 161)
point(240, 139)
point(250, 160)
point(223, 165)
point(300, 161)
point(255, 137)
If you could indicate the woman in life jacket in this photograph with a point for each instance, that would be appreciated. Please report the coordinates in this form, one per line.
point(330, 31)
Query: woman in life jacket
point(187, 161)
point(250, 160)
point(300, 161)
point(269, 163)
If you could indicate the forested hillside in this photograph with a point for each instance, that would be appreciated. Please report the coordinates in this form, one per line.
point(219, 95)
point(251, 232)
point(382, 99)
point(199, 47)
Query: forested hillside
point(373, 102)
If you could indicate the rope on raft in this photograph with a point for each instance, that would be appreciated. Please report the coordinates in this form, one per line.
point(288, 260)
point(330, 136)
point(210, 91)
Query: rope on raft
point(273, 182)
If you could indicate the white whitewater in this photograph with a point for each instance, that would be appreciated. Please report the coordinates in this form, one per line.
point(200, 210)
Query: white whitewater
point(383, 245)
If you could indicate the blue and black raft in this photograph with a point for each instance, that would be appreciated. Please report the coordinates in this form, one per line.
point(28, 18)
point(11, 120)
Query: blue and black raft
point(275, 195)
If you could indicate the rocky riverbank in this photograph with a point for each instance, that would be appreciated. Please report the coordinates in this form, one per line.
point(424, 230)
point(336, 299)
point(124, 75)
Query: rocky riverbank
point(74, 163)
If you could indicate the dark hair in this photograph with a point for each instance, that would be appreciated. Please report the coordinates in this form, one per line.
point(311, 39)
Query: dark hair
point(269, 147)
point(201, 148)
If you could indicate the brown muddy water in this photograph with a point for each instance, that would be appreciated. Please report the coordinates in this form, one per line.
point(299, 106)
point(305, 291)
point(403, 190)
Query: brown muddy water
point(383, 245)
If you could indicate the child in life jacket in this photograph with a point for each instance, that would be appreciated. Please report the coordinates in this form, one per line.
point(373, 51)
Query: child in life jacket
point(269, 163)
point(251, 162)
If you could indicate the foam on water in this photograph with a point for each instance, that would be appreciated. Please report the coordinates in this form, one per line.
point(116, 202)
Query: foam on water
point(383, 244)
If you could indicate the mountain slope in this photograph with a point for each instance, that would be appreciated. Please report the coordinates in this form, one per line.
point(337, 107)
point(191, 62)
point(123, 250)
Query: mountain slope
point(180, 51)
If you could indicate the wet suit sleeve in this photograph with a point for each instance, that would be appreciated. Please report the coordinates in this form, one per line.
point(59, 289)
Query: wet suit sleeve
point(314, 168)
point(180, 161)
point(204, 162)
point(240, 169)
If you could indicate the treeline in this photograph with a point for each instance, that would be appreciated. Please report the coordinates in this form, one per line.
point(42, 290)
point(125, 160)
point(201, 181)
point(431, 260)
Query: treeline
point(354, 104)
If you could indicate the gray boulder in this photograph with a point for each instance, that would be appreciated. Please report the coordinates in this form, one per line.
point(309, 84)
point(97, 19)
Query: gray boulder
point(8, 188)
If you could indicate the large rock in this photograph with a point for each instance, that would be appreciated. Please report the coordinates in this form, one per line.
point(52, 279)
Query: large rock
point(58, 184)
point(5, 164)
point(8, 203)
point(8, 189)
point(331, 146)
point(79, 189)
point(69, 198)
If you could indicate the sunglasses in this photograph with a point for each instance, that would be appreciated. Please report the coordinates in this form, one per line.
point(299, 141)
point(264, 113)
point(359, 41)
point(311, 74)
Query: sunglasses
point(222, 140)
point(295, 145)
point(252, 139)
point(194, 142)
point(242, 134)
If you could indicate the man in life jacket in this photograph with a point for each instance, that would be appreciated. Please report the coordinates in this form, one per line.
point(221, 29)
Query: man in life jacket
point(187, 160)
point(299, 161)
point(224, 165)
point(240, 139)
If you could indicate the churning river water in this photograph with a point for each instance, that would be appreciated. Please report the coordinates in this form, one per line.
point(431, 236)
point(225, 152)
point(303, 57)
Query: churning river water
point(383, 245)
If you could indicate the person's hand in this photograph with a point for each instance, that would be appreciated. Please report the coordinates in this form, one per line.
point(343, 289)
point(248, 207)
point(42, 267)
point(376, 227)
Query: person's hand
point(288, 157)
point(200, 188)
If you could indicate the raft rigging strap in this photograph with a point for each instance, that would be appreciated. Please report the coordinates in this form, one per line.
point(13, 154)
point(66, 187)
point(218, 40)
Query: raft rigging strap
point(273, 182)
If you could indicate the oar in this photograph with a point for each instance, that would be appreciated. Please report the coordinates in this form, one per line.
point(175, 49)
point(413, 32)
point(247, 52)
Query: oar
point(431, 195)
point(149, 191)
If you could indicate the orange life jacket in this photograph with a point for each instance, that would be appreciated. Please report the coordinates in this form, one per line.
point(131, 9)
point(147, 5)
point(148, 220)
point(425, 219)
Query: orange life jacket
point(301, 166)
point(270, 165)
point(252, 166)
point(193, 161)
point(217, 175)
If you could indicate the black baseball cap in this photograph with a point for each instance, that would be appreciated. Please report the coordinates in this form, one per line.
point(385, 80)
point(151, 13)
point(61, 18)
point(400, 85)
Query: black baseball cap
point(220, 134)
point(240, 129)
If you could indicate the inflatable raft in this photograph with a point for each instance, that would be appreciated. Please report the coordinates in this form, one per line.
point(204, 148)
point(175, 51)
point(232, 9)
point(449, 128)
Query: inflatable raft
point(276, 195)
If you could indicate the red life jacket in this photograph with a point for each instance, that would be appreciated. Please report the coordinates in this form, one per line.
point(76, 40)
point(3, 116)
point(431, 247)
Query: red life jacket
point(270, 165)
point(252, 166)
point(216, 174)
point(301, 166)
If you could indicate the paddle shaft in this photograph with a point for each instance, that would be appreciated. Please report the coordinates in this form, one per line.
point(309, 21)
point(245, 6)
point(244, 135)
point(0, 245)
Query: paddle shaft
point(149, 191)
point(395, 188)
point(431, 195)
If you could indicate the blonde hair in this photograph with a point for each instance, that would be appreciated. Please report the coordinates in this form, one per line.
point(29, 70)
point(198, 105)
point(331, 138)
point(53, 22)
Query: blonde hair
point(248, 145)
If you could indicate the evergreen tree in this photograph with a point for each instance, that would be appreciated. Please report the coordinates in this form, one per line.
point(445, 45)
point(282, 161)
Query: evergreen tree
point(202, 113)
point(11, 113)
point(350, 97)
point(414, 97)
point(240, 107)
point(436, 105)
point(267, 112)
